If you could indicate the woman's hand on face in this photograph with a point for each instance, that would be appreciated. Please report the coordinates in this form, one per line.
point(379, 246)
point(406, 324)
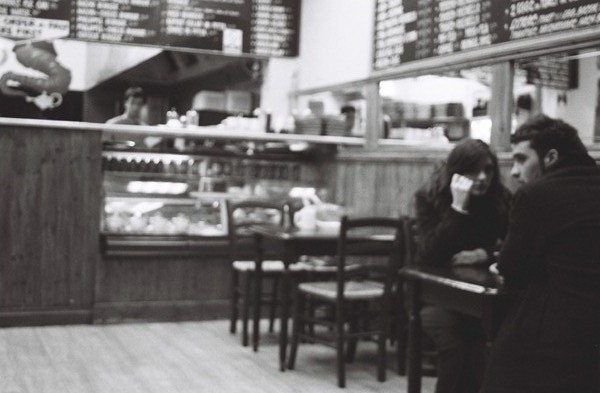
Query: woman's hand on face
point(469, 257)
point(460, 187)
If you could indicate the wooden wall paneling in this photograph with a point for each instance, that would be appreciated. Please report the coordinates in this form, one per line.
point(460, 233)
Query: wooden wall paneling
point(163, 288)
point(381, 187)
point(49, 198)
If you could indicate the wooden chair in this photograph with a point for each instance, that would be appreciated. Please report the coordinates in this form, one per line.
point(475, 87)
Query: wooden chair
point(242, 255)
point(429, 353)
point(353, 294)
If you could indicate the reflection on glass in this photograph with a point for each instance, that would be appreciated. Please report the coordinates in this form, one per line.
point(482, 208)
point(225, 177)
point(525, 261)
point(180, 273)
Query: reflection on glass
point(339, 113)
point(564, 85)
point(438, 108)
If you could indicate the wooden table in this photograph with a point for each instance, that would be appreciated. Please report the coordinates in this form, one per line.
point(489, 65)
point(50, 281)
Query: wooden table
point(473, 291)
point(289, 245)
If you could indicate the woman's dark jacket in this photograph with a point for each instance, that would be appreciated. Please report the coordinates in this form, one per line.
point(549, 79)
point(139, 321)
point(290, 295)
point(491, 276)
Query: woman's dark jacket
point(444, 232)
point(549, 343)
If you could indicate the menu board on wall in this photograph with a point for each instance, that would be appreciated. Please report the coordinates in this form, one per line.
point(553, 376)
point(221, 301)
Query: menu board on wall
point(408, 30)
point(30, 19)
point(115, 20)
point(255, 27)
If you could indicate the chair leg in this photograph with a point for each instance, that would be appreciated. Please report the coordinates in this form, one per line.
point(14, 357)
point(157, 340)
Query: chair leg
point(246, 298)
point(401, 349)
point(312, 309)
point(274, 303)
point(382, 339)
point(340, 341)
point(234, 301)
point(298, 326)
point(352, 342)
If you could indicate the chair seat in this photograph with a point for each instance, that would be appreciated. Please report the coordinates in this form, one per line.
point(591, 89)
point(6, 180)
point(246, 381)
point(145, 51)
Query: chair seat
point(353, 290)
point(311, 267)
point(321, 265)
point(267, 266)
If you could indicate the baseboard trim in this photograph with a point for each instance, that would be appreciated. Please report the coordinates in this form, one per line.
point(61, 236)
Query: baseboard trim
point(45, 317)
point(160, 311)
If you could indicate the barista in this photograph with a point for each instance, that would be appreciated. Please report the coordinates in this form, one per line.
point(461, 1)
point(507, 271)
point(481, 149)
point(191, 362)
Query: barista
point(350, 118)
point(134, 98)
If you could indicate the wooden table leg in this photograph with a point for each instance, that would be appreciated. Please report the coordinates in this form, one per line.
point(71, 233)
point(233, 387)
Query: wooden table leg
point(493, 313)
point(258, 241)
point(414, 338)
point(288, 259)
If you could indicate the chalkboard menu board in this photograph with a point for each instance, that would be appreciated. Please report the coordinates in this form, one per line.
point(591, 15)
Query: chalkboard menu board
point(408, 30)
point(255, 27)
point(25, 19)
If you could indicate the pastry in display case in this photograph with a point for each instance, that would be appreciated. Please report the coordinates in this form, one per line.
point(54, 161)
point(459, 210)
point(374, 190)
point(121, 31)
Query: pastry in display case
point(164, 216)
point(139, 200)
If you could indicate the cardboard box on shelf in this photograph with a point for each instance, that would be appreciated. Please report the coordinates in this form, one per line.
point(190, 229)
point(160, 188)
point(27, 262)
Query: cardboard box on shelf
point(209, 100)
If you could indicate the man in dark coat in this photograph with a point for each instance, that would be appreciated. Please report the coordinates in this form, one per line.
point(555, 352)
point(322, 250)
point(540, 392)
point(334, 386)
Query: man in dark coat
point(550, 341)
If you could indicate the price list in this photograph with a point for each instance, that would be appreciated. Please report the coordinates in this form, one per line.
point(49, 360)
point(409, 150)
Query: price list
point(125, 21)
point(23, 19)
point(260, 27)
point(395, 32)
point(407, 30)
point(213, 25)
point(529, 18)
point(274, 27)
point(461, 25)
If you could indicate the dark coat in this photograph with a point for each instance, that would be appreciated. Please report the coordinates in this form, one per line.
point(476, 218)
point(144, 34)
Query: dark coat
point(443, 232)
point(549, 343)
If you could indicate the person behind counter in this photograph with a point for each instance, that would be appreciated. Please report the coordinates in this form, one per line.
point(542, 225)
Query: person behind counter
point(134, 99)
point(550, 339)
point(461, 214)
point(349, 113)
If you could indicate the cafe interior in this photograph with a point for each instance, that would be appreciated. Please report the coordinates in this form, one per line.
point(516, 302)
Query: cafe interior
point(260, 207)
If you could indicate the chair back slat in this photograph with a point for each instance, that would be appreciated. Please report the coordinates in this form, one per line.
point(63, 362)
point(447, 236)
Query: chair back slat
point(367, 243)
point(240, 237)
point(411, 241)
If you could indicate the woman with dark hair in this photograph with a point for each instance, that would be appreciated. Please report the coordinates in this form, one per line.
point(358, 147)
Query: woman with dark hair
point(462, 214)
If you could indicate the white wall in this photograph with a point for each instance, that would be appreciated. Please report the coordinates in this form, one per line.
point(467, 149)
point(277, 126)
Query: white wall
point(335, 41)
point(280, 78)
point(580, 109)
point(335, 47)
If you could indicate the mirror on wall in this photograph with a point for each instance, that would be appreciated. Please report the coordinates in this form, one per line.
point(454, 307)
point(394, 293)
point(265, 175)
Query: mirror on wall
point(563, 85)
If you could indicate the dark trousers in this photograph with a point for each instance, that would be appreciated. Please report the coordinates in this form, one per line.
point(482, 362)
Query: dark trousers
point(460, 341)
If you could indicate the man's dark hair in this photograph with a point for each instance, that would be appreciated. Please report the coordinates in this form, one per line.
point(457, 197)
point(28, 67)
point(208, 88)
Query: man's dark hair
point(545, 133)
point(135, 92)
point(348, 109)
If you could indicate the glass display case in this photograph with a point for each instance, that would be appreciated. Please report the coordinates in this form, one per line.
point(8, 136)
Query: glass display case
point(164, 216)
point(157, 202)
